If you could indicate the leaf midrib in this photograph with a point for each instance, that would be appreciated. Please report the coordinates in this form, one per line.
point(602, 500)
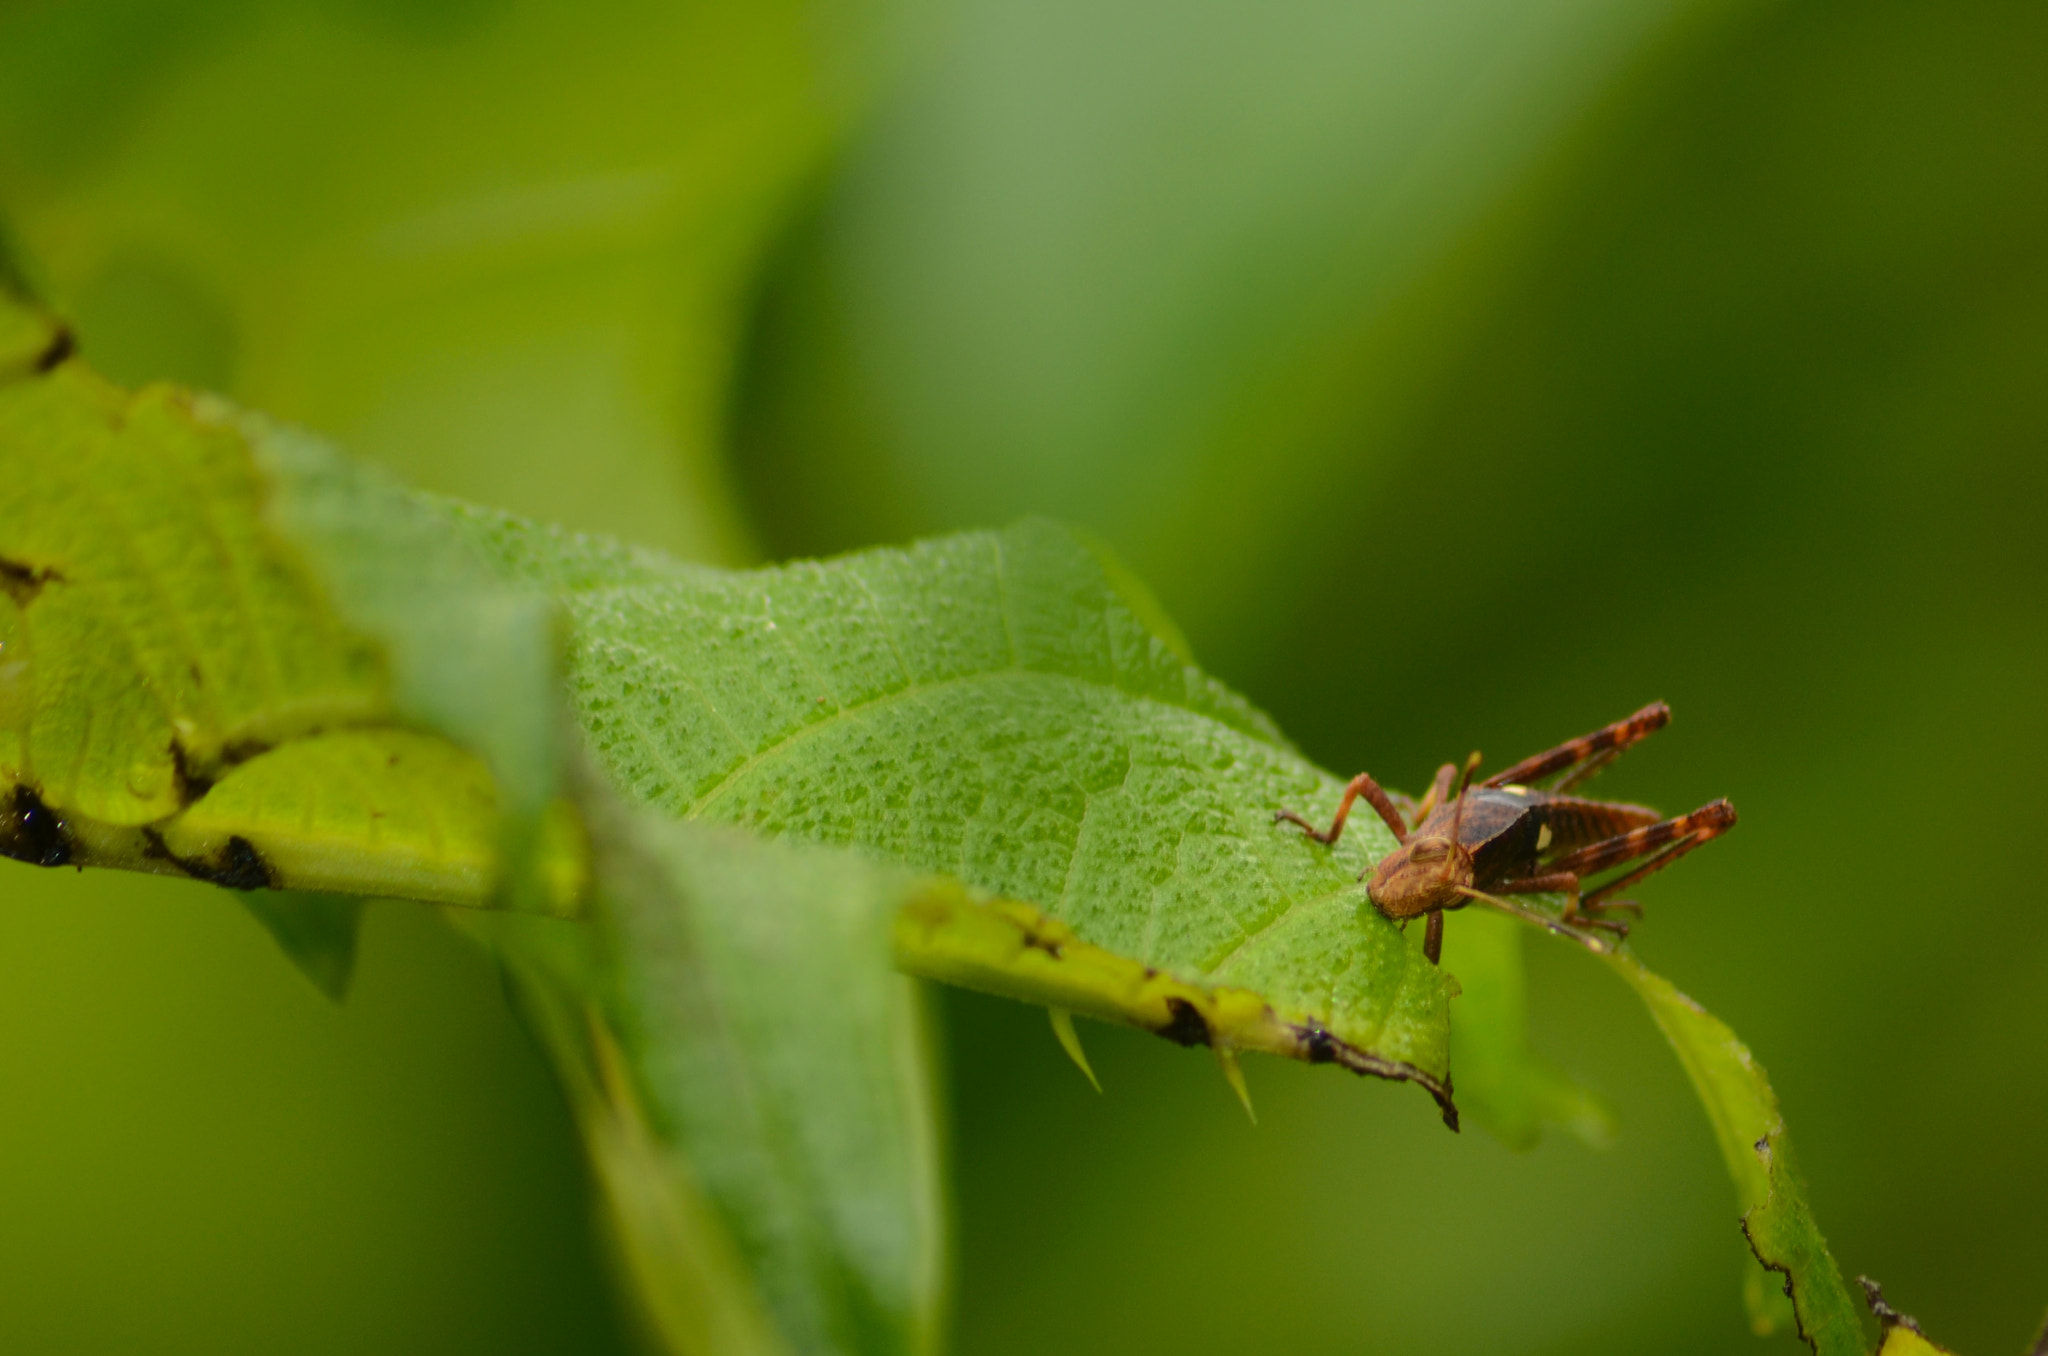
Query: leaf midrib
point(1211, 970)
point(803, 732)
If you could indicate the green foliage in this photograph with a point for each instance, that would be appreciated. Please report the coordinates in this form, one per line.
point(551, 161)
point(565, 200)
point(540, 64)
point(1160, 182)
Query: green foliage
point(748, 1072)
point(785, 1150)
point(1005, 708)
point(182, 696)
point(753, 995)
point(1751, 1133)
point(318, 933)
point(1017, 662)
point(1732, 399)
point(482, 231)
point(467, 658)
point(1505, 1085)
point(753, 1083)
point(166, 636)
point(990, 706)
point(294, 785)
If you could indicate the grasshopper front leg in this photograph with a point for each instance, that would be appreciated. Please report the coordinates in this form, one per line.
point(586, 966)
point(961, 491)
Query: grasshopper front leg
point(1361, 785)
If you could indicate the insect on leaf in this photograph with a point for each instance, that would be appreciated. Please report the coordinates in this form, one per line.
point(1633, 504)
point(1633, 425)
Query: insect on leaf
point(1005, 708)
point(227, 653)
point(995, 707)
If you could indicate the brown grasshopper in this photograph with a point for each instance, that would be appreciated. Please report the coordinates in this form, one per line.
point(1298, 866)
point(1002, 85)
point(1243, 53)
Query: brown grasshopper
point(1505, 837)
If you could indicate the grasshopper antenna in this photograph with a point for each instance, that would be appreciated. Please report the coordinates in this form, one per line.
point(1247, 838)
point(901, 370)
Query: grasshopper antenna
point(1458, 815)
point(1583, 936)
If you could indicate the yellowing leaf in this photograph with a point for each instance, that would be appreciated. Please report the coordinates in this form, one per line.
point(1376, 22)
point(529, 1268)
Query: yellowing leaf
point(178, 693)
point(389, 812)
point(166, 635)
point(1901, 1335)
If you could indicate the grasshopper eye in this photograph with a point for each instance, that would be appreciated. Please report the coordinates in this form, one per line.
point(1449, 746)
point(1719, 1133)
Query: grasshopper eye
point(1427, 850)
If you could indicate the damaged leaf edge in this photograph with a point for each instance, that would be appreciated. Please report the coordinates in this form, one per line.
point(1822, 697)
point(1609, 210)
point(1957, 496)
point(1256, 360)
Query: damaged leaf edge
point(1012, 950)
point(1765, 1148)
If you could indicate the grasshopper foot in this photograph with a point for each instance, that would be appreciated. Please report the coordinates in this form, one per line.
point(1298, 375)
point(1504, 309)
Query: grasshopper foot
point(1284, 816)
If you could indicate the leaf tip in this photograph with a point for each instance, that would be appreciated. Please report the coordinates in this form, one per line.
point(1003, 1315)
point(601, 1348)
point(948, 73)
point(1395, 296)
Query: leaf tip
point(318, 933)
point(1070, 1041)
point(1233, 1074)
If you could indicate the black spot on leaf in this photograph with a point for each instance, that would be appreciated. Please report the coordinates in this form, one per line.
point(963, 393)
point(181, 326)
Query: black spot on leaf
point(61, 346)
point(236, 866)
point(1038, 941)
point(242, 867)
point(32, 832)
point(191, 783)
point(1317, 1045)
point(1187, 1026)
point(22, 581)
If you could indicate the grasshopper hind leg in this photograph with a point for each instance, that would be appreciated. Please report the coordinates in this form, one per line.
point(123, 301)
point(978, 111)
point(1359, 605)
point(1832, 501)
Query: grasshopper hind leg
point(1580, 758)
point(1662, 844)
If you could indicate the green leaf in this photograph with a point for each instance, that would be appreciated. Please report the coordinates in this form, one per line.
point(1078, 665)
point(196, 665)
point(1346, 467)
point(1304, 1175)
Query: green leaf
point(1744, 1111)
point(463, 237)
point(768, 1154)
point(29, 339)
point(179, 692)
point(755, 998)
point(766, 1150)
point(162, 634)
point(1502, 1083)
point(190, 684)
point(994, 706)
point(469, 658)
point(753, 1082)
point(1005, 708)
point(317, 933)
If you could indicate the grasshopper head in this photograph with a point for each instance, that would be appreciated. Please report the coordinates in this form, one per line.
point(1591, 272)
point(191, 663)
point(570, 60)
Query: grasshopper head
point(1425, 873)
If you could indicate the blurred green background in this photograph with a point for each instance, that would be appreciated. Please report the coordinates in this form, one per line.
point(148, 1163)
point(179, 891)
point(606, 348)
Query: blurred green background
point(1460, 374)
